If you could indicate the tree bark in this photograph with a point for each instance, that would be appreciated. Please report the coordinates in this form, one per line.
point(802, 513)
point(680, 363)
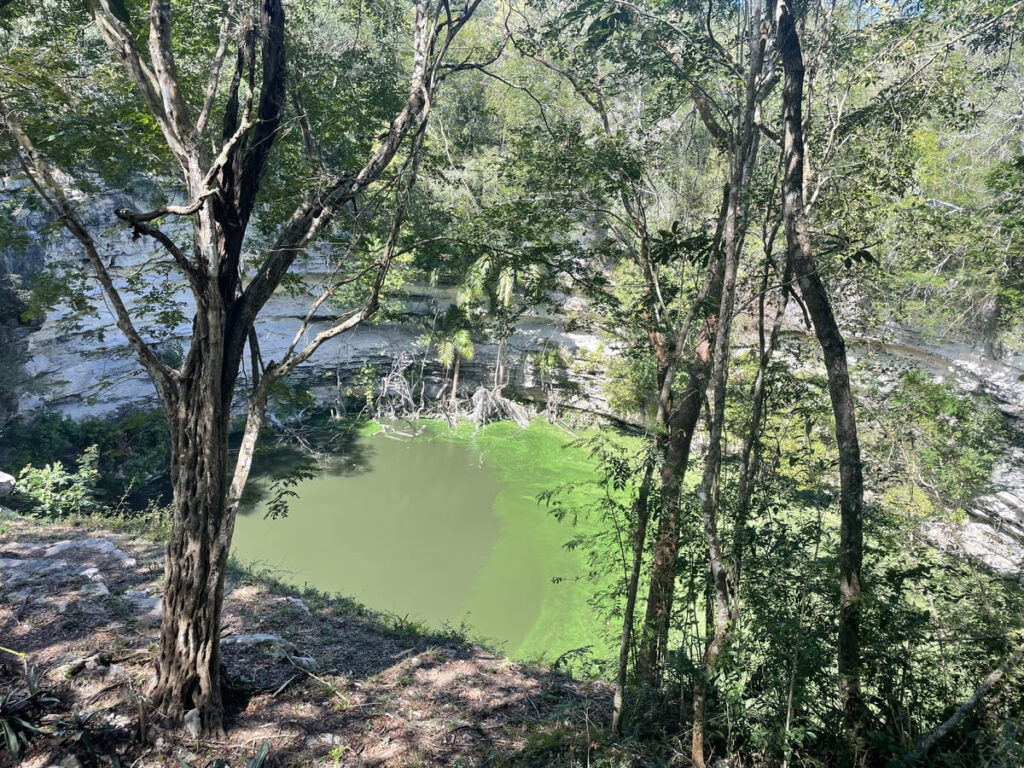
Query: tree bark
point(851, 479)
point(453, 401)
point(681, 427)
point(188, 661)
point(642, 510)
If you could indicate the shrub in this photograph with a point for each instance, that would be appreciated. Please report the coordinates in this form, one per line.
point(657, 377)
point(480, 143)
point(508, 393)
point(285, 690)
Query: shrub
point(133, 455)
point(54, 491)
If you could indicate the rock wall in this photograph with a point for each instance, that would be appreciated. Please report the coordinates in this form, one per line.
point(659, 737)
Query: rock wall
point(993, 532)
point(87, 370)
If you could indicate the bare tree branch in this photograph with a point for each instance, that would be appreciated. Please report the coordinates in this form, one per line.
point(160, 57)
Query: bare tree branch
point(45, 182)
point(161, 55)
point(318, 211)
point(994, 678)
point(216, 68)
point(119, 39)
point(140, 227)
point(136, 217)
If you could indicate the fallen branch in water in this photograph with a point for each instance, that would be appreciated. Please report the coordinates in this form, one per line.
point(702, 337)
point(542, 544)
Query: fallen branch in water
point(491, 405)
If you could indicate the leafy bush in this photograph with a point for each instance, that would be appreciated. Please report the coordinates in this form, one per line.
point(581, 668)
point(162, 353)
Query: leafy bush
point(133, 451)
point(53, 491)
point(939, 438)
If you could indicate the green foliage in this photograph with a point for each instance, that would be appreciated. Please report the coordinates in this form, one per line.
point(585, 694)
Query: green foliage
point(936, 438)
point(22, 710)
point(53, 491)
point(364, 385)
point(282, 489)
point(133, 452)
point(630, 385)
point(450, 335)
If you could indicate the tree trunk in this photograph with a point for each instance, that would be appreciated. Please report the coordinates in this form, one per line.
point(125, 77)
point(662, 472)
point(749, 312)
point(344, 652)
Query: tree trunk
point(682, 425)
point(708, 492)
point(188, 664)
point(750, 454)
point(453, 401)
point(734, 232)
point(643, 515)
point(851, 479)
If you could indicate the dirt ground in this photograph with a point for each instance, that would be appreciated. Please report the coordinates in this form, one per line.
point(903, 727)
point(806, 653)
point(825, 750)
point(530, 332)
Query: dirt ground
point(318, 679)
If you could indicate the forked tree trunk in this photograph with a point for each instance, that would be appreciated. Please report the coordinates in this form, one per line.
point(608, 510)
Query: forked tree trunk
point(743, 148)
point(222, 195)
point(851, 478)
point(682, 425)
point(708, 492)
point(188, 662)
point(747, 145)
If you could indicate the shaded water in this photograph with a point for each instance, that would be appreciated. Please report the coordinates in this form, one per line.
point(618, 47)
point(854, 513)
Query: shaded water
point(444, 528)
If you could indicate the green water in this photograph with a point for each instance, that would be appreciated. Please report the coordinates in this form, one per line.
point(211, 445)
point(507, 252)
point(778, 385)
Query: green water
point(444, 528)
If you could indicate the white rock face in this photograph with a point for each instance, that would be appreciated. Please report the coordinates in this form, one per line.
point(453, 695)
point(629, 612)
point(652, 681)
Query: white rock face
point(89, 371)
point(6, 484)
point(993, 533)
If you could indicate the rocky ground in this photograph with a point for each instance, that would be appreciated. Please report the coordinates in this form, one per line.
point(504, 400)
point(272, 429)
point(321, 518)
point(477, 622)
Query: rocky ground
point(319, 680)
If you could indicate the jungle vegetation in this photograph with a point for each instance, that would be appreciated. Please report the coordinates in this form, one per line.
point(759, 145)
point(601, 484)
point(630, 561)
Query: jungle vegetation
point(732, 190)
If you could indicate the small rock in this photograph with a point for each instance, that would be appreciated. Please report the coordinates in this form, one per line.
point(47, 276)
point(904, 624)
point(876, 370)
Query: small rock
point(143, 605)
point(70, 762)
point(121, 721)
point(258, 638)
point(6, 484)
point(61, 606)
point(298, 604)
point(192, 723)
point(115, 673)
point(97, 662)
point(324, 740)
point(303, 662)
point(96, 589)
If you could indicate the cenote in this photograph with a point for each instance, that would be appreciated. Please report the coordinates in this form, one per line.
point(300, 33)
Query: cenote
point(443, 528)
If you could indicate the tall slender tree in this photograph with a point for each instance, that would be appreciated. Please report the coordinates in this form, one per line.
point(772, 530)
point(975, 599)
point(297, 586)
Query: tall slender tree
point(805, 271)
